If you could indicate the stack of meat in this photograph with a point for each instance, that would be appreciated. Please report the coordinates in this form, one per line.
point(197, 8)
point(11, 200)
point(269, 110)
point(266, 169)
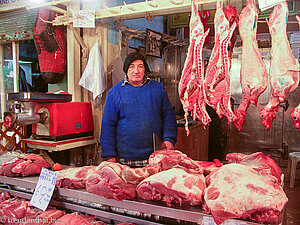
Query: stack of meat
point(24, 165)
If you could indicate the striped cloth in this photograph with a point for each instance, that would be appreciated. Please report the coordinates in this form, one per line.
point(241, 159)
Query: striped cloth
point(134, 163)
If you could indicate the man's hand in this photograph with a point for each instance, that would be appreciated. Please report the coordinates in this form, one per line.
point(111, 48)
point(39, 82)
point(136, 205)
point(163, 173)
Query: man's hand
point(113, 160)
point(167, 145)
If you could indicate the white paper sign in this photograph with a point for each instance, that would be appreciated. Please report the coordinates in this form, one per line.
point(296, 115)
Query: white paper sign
point(44, 189)
point(266, 4)
point(83, 18)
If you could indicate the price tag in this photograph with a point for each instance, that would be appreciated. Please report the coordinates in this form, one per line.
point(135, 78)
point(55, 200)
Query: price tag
point(266, 4)
point(44, 189)
point(83, 18)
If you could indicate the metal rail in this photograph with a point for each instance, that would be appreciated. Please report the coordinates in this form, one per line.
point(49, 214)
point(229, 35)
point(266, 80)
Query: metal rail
point(62, 195)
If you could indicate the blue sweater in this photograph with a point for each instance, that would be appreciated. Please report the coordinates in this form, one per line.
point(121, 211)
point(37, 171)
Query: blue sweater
point(131, 116)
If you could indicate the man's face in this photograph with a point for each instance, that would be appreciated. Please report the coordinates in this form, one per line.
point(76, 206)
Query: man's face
point(136, 72)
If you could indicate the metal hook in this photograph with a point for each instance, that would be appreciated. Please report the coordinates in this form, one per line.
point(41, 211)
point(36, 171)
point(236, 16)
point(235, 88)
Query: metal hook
point(176, 2)
point(152, 3)
point(113, 10)
point(129, 7)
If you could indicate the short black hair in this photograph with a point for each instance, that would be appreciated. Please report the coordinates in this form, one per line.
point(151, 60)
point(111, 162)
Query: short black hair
point(131, 58)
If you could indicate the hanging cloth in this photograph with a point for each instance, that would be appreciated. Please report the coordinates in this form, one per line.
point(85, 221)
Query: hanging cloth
point(93, 77)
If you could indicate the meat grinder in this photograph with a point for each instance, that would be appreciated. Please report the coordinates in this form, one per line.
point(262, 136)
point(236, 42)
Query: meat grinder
point(53, 116)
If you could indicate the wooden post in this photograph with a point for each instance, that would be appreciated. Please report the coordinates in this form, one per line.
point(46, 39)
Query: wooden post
point(15, 53)
point(2, 86)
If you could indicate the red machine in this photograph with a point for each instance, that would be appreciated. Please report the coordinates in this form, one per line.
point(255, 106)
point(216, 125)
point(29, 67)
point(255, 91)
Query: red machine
point(53, 116)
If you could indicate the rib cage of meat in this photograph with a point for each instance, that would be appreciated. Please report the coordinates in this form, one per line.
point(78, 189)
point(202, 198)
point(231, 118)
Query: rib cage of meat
point(237, 191)
point(191, 84)
point(254, 75)
point(217, 78)
point(284, 68)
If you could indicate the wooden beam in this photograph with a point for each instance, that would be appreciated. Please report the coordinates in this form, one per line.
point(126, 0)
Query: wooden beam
point(2, 86)
point(148, 8)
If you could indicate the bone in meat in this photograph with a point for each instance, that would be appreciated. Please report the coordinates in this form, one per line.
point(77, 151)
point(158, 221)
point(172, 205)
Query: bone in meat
point(217, 79)
point(254, 75)
point(191, 89)
point(284, 68)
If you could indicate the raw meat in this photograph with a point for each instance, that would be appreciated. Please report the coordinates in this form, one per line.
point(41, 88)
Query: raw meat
point(167, 159)
point(217, 78)
point(238, 191)
point(209, 166)
point(76, 219)
point(254, 75)
point(24, 165)
point(298, 18)
point(191, 84)
point(107, 181)
point(264, 164)
point(296, 117)
point(74, 178)
point(173, 186)
point(284, 68)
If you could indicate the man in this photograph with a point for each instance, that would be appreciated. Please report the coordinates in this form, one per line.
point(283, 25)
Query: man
point(136, 108)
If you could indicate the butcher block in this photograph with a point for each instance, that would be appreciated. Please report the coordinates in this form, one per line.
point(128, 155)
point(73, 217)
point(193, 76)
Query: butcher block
point(195, 145)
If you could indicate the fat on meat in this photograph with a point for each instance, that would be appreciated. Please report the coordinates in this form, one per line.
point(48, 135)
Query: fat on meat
point(264, 164)
point(217, 78)
point(254, 74)
point(74, 178)
point(173, 186)
point(284, 68)
point(238, 191)
point(167, 159)
point(191, 84)
point(296, 117)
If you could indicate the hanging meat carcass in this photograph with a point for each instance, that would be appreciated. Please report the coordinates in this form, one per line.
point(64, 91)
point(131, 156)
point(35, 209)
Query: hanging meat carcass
point(254, 75)
point(296, 117)
point(296, 111)
point(284, 68)
point(217, 78)
point(191, 84)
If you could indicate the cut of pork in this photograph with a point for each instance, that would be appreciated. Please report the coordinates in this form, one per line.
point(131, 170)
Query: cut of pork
point(77, 219)
point(238, 191)
point(166, 159)
point(254, 75)
point(74, 178)
point(264, 164)
point(24, 165)
point(284, 68)
point(173, 186)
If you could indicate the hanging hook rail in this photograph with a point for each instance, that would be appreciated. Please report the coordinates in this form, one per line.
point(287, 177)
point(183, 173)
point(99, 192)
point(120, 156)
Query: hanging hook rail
point(176, 2)
point(153, 4)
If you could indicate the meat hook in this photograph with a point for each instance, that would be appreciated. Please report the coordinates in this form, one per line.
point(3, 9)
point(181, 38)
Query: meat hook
point(152, 3)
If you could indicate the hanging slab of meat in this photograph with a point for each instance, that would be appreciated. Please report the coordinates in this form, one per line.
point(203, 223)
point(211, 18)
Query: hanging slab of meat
point(24, 165)
point(173, 186)
point(264, 164)
point(254, 75)
point(296, 117)
point(284, 68)
point(238, 191)
point(191, 84)
point(217, 78)
point(74, 178)
point(167, 159)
